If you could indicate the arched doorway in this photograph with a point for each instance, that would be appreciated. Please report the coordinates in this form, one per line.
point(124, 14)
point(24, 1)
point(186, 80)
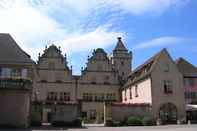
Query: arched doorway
point(168, 113)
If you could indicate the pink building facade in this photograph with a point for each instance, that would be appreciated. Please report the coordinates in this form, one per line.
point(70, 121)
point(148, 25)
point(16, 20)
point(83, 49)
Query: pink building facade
point(189, 73)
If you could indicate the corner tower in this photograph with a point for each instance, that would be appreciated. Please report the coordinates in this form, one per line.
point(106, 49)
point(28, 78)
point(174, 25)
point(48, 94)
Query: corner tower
point(121, 59)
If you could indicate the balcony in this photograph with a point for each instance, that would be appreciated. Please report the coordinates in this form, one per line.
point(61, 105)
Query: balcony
point(9, 83)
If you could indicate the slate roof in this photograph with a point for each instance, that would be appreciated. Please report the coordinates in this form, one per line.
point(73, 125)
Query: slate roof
point(10, 52)
point(145, 69)
point(120, 46)
point(186, 68)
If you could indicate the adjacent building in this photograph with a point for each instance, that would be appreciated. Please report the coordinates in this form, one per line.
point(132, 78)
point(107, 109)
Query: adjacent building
point(16, 76)
point(189, 73)
point(157, 83)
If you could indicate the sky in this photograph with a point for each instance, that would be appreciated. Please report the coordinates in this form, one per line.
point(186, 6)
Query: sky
point(79, 26)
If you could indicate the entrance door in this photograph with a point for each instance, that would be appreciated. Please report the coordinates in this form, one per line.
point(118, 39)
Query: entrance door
point(168, 113)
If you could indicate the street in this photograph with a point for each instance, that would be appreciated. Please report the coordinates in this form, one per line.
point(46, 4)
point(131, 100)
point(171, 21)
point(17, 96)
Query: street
point(99, 128)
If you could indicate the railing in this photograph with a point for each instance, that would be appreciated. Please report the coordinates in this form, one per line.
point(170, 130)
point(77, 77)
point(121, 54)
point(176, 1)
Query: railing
point(9, 83)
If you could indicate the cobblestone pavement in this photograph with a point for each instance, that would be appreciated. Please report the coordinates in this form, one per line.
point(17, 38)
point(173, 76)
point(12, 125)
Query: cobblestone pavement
point(99, 128)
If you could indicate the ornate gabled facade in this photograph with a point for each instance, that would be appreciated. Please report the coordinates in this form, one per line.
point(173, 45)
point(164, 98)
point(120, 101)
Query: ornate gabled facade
point(99, 81)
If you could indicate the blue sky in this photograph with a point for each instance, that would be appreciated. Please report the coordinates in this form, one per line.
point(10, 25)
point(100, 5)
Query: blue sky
point(79, 26)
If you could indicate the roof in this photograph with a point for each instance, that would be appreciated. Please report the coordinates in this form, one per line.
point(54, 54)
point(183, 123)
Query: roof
point(11, 53)
point(52, 51)
point(145, 69)
point(186, 68)
point(120, 46)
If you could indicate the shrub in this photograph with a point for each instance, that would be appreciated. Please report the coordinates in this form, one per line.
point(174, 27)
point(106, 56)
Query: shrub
point(75, 123)
point(134, 121)
point(36, 119)
point(117, 123)
point(109, 122)
point(148, 121)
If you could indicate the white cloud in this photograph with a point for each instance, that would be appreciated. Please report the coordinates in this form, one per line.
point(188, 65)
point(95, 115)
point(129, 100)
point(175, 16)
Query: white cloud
point(35, 22)
point(153, 7)
point(100, 37)
point(164, 42)
point(32, 27)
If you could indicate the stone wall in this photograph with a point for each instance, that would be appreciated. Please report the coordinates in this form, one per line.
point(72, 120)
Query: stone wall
point(14, 111)
point(120, 111)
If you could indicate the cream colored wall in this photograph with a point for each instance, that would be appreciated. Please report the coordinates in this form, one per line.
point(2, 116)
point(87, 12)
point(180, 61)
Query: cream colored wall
point(95, 89)
point(158, 76)
point(44, 88)
point(144, 93)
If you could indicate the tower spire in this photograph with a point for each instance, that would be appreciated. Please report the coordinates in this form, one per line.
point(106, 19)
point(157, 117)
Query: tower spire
point(120, 46)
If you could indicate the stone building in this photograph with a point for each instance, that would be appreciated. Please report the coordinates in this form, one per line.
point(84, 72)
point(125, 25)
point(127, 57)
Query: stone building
point(54, 92)
point(16, 76)
point(157, 83)
point(99, 81)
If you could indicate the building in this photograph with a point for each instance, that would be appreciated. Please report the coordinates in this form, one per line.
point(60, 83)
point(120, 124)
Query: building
point(54, 95)
point(99, 81)
point(155, 88)
point(189, 73)
point(157, 83)
point(16, 76)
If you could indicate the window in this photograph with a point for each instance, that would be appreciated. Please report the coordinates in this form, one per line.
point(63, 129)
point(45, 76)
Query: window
point(167, 87)
point(0, 71)
point(61, 96)
point(110, 97)
point(136, 91)
point(125, 95)
point(16, 73)
point(130, 93)
point(66, 96)
point(122, 63)
point(122, 73)
point(52, 96)
point(87, 97)
point(190, 95)
point(191, 81)
point(166, 67)
point(99, 97)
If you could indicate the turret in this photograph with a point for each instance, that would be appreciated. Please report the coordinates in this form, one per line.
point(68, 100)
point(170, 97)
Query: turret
point(121, 59)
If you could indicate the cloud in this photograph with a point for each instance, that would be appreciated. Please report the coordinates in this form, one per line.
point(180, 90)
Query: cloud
point(33, 26)
point(75, 25)
point(151, 7)
point(164, 42)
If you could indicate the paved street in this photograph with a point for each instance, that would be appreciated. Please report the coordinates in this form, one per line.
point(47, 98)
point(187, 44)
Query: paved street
point(91, 128)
